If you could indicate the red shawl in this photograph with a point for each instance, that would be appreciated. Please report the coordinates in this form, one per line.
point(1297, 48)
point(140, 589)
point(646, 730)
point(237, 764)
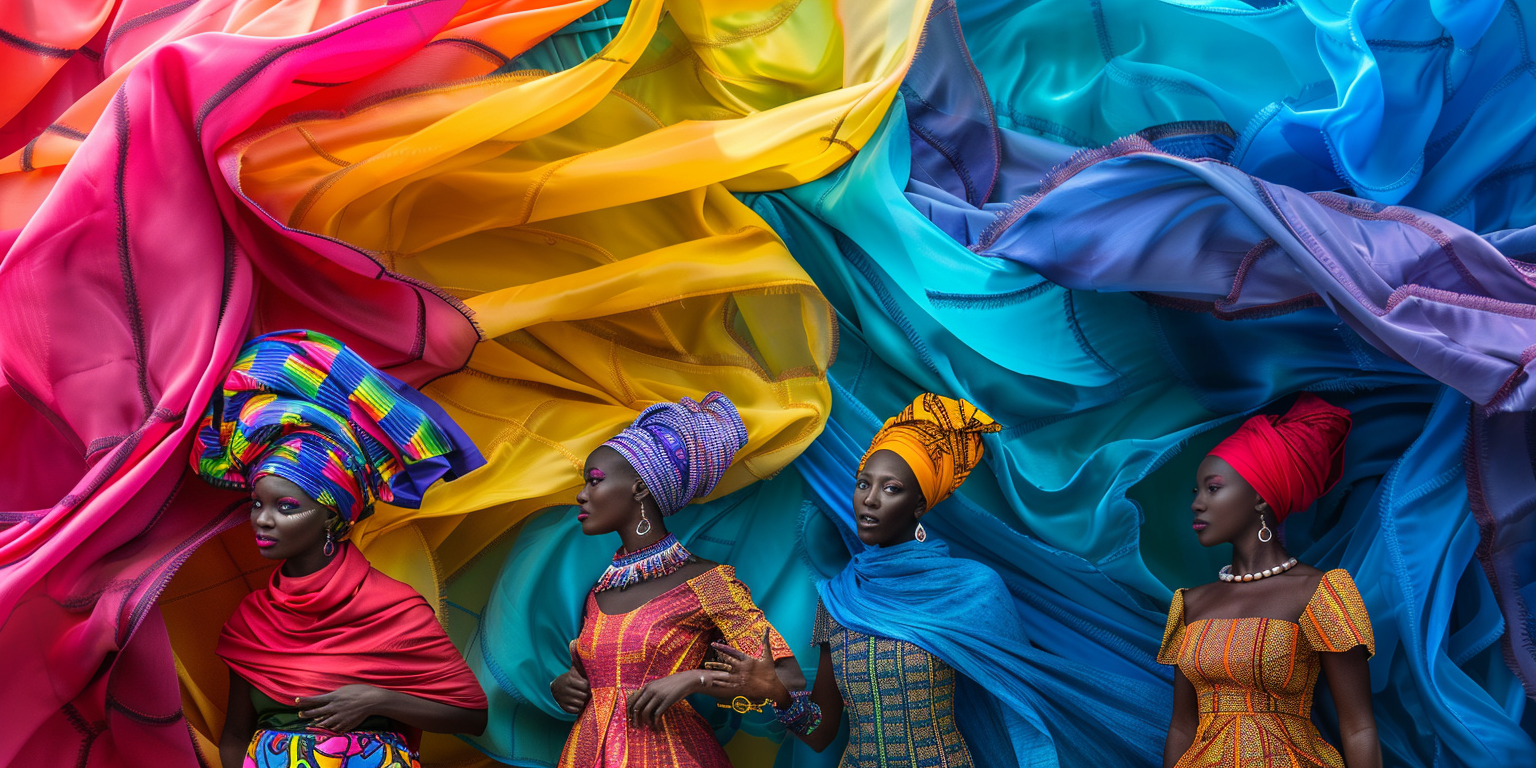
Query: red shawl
point(1292, 459)
point(346, 623)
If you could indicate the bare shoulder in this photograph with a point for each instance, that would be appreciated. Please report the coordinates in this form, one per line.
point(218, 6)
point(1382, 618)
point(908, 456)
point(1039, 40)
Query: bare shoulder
point(1302, 578)
point(695, 569)
point(1195, 598)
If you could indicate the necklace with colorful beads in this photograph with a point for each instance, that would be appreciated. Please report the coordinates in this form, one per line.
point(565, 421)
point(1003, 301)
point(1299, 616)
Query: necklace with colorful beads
point(1226, 573)
point(651, 562)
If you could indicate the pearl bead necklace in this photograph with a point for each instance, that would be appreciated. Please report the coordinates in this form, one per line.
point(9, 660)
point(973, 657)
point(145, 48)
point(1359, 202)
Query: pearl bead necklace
point(1226, 572)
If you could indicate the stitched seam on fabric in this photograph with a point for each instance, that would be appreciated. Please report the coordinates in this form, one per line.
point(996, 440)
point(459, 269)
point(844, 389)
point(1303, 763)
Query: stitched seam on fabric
point(145, 18)
point(32, 46)
point(988, 301)
point(309, 139)
point(125, 253)
point(775, 18)
point(245, 76)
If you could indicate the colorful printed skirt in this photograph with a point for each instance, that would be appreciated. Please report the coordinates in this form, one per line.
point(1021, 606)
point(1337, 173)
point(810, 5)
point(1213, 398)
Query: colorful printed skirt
point(322, 749)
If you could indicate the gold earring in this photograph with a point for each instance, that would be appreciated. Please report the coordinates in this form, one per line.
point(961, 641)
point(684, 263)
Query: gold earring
point(1265, 534)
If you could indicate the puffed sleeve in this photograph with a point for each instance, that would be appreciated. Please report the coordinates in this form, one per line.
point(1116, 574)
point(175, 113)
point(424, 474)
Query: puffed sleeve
point(1173, 632)
point(729, 604)
point(1335, 619)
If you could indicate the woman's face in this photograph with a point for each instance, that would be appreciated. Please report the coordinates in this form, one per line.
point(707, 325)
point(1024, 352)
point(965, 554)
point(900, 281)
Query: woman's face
point(287, 521)
point(1225, 505)
point(607, 499)
point(886, 500)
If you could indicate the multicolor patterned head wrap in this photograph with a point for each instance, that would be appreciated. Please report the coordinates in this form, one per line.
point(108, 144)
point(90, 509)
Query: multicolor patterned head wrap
point(940, 439)
point(304, 407)
point(1292, 459)
point(682, 449)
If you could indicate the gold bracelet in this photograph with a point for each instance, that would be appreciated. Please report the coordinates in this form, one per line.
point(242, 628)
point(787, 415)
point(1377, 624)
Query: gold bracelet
point(742, 705)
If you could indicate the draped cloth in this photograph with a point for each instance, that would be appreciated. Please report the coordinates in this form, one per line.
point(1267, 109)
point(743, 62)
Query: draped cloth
point(1290, 459)
point(343, 624)
point(301, 405)
point(939, 438)
point(960, 611)
point(682, 449)
point(378, 173)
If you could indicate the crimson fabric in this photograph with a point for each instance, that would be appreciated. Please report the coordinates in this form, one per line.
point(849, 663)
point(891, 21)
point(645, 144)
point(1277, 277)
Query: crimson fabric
point(343, 624)
point(1292, 459)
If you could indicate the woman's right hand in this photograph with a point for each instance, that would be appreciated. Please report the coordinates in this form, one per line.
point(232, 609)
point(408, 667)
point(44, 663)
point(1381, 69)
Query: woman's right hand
point(571, 691)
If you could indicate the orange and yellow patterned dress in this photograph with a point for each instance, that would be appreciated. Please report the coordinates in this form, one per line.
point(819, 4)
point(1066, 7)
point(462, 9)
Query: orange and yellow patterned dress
point(1254, 678)
point(671, 633)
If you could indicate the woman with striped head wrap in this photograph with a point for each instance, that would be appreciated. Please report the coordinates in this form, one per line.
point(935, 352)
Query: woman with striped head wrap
point(332, 661)
point(657, 607)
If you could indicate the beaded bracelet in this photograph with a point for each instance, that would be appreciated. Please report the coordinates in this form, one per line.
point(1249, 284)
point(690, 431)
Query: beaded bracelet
point(803, 716)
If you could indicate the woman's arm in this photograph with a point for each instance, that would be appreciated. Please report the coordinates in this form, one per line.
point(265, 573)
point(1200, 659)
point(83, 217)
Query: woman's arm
point(346, 707)
point(239, 723)
point(742, 674)
point(1349, 678)
point(824, 694)
point(1186, 717)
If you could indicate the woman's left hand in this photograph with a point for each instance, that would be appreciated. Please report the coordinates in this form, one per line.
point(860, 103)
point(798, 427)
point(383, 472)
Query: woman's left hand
point(753, 676)
point(647, 705)
point(343, 709)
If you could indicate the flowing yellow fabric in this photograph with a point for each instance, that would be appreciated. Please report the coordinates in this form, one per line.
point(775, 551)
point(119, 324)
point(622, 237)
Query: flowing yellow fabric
point(586, 218)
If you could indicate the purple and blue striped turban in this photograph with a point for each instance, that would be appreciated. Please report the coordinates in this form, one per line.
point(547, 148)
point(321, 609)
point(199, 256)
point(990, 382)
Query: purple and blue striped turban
point(682, 449)
point(304, 407)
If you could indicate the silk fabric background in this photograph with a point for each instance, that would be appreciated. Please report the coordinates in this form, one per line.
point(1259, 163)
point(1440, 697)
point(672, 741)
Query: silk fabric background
point(547, 236)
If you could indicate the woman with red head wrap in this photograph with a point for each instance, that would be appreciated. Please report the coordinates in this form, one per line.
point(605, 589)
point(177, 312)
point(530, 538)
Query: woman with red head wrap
point(1248, 648)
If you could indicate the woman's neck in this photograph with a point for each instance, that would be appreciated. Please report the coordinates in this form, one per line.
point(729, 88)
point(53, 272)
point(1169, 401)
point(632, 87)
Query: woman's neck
point(633, 541)
point(309, 562)
point(1253, 556)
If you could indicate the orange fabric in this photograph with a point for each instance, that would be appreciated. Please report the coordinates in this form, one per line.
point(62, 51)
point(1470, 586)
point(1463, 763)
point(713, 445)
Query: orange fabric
point(1244, 657)
point(939, 438)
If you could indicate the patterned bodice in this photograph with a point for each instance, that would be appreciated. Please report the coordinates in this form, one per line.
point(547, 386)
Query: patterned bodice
point(1254, 678)
point(900, 701)
point(671, 633)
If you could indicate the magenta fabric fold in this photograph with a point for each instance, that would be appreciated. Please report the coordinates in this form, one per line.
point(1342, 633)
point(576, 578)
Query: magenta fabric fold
point(123, 302)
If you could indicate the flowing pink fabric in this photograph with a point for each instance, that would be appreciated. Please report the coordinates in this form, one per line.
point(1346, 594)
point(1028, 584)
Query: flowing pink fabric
point(123, 302)
point(1291, 459)
point(345, 623)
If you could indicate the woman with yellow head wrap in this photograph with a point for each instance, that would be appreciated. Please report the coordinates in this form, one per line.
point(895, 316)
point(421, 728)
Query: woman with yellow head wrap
point(891, 656)
point(939, 439)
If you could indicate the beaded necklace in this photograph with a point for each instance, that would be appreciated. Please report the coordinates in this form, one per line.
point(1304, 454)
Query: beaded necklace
point(652, 562)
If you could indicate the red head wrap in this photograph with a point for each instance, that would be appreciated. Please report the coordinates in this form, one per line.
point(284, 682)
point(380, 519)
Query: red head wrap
point(1292, 459)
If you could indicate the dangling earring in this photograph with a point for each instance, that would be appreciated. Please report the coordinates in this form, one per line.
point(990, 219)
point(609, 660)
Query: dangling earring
point(330, 542)
point(1265, 534)
point(645, 523)
point(920, 534)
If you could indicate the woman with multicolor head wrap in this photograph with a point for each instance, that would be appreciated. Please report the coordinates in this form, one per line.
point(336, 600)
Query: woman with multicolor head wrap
point(653, 614)
point(1248, 648)
point(333, 663)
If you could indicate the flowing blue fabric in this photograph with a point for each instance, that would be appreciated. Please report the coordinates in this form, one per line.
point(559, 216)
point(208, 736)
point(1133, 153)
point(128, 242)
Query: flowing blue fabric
point(1420, 103)
point(1055, 711)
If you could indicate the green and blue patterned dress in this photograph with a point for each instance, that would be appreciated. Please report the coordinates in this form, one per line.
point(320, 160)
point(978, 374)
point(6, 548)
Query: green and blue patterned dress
point(899, 699)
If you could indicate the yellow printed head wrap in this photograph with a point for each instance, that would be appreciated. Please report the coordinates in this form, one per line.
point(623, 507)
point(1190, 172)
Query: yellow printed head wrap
point(939, 438)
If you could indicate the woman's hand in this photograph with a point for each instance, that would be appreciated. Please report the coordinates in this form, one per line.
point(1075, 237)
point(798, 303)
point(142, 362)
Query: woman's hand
point(571, 691)
point(647, 705)
point(742, 674)
point(343, 709)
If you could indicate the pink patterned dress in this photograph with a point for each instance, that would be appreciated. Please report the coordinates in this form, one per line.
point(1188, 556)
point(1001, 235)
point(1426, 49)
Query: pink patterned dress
point(671, 633)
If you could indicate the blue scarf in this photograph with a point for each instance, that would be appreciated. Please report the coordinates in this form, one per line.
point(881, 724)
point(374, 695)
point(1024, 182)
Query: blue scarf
point(1051, 710)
